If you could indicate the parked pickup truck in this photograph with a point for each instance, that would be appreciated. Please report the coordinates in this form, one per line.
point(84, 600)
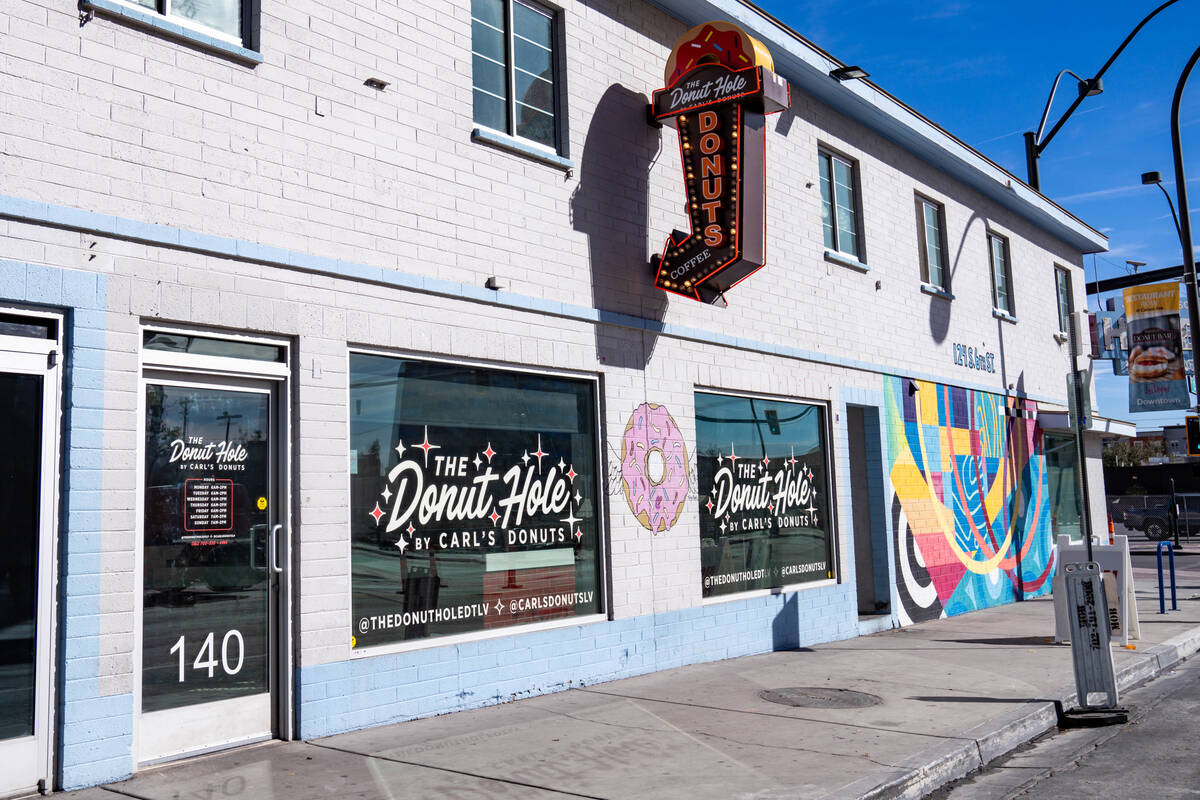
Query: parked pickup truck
point(1152, 520)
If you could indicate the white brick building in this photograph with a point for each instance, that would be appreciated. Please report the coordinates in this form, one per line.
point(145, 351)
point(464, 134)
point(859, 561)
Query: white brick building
point(224, 222)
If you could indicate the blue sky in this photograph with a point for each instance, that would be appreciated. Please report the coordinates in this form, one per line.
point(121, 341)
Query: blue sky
point(983, 71)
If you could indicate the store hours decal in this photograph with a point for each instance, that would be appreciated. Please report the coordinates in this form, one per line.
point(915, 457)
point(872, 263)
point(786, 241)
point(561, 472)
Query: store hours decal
point(436, 500)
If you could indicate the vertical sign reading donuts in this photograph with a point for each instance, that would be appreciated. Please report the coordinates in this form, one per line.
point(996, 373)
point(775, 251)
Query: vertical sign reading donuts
point(720, 86)
point(1157, 380)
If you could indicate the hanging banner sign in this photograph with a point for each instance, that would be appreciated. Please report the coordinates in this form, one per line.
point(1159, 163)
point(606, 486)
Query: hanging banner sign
point(1157, 381)
point(720, 87)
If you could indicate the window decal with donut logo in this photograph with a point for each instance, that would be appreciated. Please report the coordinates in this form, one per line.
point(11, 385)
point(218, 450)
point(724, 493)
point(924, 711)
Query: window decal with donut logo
point(763, 492)
point(654, 467)
point(1157, 377)
point(719, 88)
point(473, 499)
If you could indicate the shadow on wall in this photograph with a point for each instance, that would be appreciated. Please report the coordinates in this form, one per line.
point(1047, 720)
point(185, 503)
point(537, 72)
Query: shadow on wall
point(785, 628)
point(611, 206)
point(939, 310)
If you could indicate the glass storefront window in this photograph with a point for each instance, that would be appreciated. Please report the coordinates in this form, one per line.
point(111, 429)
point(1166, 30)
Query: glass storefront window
point(204, 594)
point(20, 494)
point(1065, 506)
point(764, 507)
point(473, 499)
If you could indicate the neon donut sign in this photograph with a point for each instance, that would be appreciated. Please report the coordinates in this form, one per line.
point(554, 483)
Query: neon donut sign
point(720, 88)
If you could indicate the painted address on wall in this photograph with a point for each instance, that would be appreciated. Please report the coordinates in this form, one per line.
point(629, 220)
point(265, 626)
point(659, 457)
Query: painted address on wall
point(974, 358)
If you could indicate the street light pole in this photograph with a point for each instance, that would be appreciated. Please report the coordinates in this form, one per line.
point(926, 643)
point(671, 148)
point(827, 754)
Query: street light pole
point(1034, 144)
point(1185, 221)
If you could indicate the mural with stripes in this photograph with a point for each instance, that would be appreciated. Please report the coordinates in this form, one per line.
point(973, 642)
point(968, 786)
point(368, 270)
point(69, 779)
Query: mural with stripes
point(970, 499)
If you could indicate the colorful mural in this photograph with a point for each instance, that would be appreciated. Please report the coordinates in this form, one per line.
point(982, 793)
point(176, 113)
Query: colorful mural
point(970, 499)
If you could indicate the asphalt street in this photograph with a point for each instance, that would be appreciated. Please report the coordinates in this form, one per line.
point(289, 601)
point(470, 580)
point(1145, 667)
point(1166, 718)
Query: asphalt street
point(1155, 755)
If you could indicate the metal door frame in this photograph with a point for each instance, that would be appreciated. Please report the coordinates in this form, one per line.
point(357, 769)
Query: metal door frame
point(42, 357)
point(232, 374)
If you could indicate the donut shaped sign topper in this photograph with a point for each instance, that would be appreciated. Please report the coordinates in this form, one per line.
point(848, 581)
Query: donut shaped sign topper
point(654, 467)
point(720, 87)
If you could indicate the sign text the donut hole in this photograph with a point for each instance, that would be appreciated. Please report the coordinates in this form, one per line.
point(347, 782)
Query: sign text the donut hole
point(718, 103)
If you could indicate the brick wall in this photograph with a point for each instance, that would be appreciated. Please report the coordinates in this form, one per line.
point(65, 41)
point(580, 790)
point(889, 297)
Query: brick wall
point(144, 180)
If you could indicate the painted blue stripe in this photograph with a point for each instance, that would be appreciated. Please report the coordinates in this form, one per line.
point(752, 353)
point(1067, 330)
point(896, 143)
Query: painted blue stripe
point(162, 235)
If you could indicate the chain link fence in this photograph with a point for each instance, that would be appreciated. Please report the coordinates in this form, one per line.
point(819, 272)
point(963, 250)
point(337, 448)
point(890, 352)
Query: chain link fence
point(1144, 517)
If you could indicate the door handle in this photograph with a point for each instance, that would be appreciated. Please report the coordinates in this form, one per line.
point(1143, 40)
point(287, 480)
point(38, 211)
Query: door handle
point(274, 546)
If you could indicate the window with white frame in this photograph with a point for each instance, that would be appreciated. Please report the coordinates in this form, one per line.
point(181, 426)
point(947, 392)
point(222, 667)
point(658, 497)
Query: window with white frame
point(1002, 299)
point(1062, 287)
point(234, 20)
point(931, 238)
point(514, 73)
point(839, 205)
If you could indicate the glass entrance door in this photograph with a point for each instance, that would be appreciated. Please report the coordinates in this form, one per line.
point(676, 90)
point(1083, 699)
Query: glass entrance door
point(211, 561)
point(28, 414)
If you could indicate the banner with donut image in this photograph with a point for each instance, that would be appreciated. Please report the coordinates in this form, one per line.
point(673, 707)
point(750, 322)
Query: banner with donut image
point(763, 491)
point(1157, 378)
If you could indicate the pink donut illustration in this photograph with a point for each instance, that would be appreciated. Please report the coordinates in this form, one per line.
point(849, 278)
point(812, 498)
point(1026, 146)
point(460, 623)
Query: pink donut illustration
point(650, 435)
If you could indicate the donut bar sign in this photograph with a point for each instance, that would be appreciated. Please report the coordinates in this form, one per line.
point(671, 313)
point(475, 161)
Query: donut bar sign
point(720, 87)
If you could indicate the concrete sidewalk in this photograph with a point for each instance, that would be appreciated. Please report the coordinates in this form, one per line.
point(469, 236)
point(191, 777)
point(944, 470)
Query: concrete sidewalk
point(953, 694)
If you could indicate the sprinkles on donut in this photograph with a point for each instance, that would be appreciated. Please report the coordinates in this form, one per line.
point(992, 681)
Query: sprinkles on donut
point(651, 435)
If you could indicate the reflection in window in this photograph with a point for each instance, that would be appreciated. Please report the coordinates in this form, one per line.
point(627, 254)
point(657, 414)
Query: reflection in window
point(206, 517)
point(839, 206)
point(1001, 273)
point(764, 505)
point(1066, 303)
point(1063, 481)
point(222, 16)
point(931, 221)
point(513, 69)
point(473, 499)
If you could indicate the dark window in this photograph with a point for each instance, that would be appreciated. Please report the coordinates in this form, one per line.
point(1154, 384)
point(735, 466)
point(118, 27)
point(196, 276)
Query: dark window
point(764, 497)
point(473, 499)
point(514, 69)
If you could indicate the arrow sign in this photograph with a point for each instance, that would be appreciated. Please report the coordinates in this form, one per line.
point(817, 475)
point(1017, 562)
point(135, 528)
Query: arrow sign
point(720, 115)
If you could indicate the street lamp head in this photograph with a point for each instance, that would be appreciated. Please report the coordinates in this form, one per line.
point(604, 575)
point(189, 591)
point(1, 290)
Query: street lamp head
point(849, 73)
point(1091, 87)
point(1151, 178)
point(1135, 264)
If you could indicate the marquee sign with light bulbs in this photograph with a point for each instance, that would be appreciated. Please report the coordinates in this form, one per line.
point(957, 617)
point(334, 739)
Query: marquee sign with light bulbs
point(720, 87)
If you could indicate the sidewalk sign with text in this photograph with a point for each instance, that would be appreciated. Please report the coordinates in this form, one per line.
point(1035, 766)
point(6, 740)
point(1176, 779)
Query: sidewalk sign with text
point(1118, 585)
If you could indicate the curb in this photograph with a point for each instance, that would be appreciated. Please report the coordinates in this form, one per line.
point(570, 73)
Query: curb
point(933, 768)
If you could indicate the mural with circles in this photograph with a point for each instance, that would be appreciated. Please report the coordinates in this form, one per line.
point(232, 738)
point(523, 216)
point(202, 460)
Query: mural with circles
point(970, 499)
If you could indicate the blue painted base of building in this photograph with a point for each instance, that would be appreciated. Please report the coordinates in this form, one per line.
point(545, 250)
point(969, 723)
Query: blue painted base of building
point(365, 692)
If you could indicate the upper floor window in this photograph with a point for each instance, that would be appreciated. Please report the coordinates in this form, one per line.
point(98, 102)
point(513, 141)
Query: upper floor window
point(931, 222)
point(1002, 298)
point(235, 19)
point(514, 76)
point(1062, 286)
point(839, 205)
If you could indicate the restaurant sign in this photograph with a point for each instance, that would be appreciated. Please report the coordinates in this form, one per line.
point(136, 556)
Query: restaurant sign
point(720, 87)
